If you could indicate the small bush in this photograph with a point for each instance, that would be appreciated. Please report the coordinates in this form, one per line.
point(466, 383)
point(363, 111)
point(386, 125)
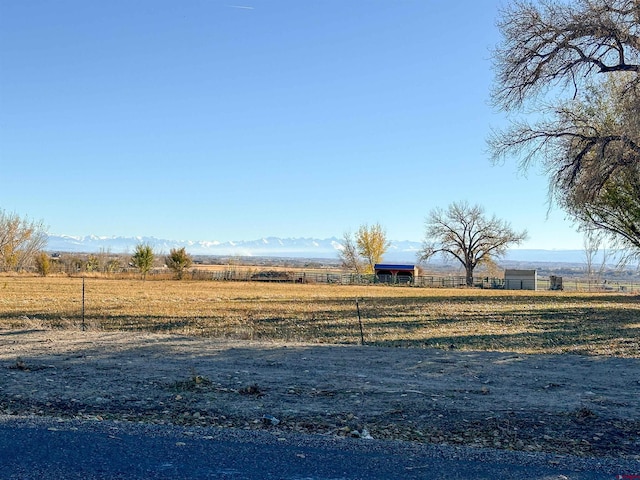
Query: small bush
point(43, 264)
point(178, 261)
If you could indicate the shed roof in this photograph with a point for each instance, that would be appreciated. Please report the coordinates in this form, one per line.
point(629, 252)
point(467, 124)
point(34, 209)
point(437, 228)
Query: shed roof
point(515, 271)
point(393, 266)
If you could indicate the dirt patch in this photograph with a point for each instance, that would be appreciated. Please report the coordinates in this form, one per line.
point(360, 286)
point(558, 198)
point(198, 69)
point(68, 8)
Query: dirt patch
point(583, 405)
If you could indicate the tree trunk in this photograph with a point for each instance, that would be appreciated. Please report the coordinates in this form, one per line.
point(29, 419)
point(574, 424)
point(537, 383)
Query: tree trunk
point(469, 276)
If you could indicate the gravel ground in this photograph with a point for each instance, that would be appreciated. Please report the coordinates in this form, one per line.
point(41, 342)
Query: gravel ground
point(566, 404)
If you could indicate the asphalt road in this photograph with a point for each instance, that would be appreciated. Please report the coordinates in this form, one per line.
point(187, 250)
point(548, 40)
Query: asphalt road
point(43, 449)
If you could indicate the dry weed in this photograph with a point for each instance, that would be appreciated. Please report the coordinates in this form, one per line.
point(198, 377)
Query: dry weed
point(527, 322)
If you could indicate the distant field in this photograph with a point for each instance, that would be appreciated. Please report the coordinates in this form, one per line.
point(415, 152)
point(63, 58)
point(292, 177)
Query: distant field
point(526, 322)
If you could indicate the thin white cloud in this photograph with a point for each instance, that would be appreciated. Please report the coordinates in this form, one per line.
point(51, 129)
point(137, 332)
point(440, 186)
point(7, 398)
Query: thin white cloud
point(242, 7)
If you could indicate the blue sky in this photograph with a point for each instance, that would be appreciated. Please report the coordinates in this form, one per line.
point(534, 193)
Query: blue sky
point(224, 120)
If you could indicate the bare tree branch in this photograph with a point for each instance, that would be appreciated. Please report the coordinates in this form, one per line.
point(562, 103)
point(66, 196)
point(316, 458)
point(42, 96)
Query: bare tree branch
point(551, 44)
point(463, 232)
point(349, 254)
point(20, 240)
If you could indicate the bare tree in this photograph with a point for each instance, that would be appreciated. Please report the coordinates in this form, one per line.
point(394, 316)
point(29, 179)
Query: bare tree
point(20, 240)
point(596, 254)
point(591, 242)
point(575, 66)
point(557, 43)
point(349, 254)
point(464, 233)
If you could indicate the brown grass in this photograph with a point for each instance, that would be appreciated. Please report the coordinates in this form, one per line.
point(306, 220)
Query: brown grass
point(526, 322)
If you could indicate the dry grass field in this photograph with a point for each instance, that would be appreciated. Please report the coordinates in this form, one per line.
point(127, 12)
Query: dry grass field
point(489, 320)
point(225, 354)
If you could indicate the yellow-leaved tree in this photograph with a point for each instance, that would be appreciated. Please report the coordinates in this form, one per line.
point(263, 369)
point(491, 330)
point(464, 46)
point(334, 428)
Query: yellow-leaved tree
point(361, 252)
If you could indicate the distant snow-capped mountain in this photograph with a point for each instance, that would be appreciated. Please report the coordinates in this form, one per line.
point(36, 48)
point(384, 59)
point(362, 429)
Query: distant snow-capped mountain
point(400, 251)
point(263, 247)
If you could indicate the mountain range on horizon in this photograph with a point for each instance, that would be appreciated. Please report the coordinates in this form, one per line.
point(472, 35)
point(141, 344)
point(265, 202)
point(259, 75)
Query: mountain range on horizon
point(400, 250)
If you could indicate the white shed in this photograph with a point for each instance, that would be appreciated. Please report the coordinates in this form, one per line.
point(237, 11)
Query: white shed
point(520, 279)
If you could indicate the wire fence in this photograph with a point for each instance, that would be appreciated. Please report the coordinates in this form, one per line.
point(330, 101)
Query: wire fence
point(427, 281)
point(284, 275)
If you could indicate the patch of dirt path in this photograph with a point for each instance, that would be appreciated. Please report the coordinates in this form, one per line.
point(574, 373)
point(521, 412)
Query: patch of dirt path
point(556, 403)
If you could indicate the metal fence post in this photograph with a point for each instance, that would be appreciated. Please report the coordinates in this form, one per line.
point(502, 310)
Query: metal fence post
point(84, 327)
